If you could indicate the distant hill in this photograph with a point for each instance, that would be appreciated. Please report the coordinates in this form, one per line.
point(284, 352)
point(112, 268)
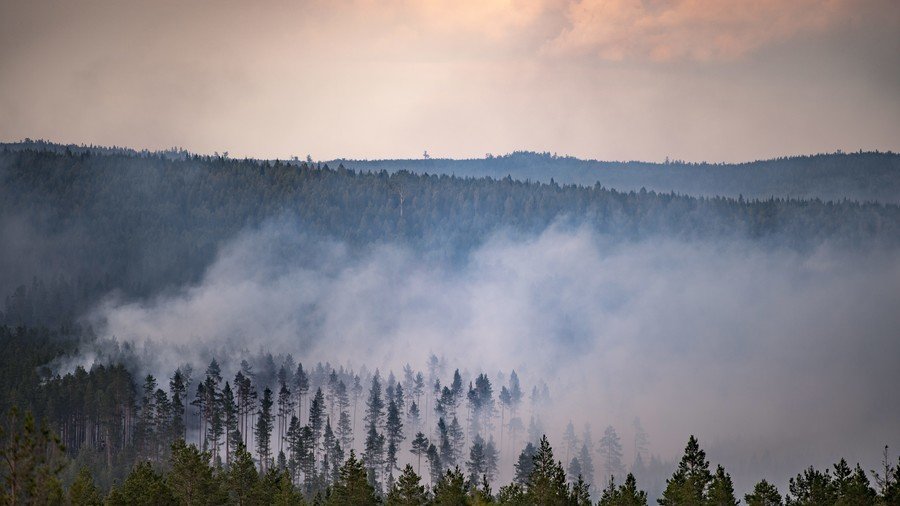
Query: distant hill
point(863, 176)
point(81, 222)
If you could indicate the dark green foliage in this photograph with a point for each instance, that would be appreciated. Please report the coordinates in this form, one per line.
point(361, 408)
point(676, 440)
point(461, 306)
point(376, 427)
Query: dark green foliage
point(31, 459)
point(688, 484)
point(623, 495)
point(451, 489)
point(407, 491)
point(580, 494)
point(764, 494)
point(80, 196)
point(263, 430)
point(525, 464)
point(513, 495)
point(83, 491)
point(191, 477)
point(242, 477)
point(546, 484)
point(143, 487)
point(353, 485)
point(721, 490)
point(811, 487)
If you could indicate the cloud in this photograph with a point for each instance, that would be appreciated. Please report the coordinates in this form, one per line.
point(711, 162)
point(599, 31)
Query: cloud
point(700, 30)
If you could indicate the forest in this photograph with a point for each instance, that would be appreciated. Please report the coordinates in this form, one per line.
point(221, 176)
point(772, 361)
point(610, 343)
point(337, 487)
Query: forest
point(90, 418)
point(281, 433)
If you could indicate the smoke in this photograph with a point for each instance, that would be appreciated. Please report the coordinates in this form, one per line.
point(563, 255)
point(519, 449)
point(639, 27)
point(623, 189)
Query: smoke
point(776, 359)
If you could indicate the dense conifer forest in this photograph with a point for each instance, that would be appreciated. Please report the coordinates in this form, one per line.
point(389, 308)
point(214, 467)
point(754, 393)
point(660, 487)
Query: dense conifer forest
point(260, 426)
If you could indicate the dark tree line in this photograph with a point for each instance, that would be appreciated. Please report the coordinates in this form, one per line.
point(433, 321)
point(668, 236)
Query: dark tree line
point(102, 434)
point(84, 223)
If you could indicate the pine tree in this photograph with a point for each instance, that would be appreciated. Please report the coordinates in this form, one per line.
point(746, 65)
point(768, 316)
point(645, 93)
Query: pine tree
point(525, 464)
point(587, 464)
point(373, 456)
point(285, 493)
point(301, 387)
point(393, 433)
point(580, 494)
point(688, 484)
point(83, 491)
point(625, 495)
point(491, 460)
point(263, 432)
point(317, 418)
point(611, 454)
point(852, 486)
point(146, 429)
point(242, 477)
point(345, 430)
point(353, 486)
point(407, 491)
point(811, 487)
point(721, 490)
point(573, 472)
point(419, 448)
point(546, 484)
point(191, 478)
point(435, 466)
point(451, 489)
point(476, 464)
point(199, 402)
point(178, 392)
point(143, 487)
point(230, 421)
point(570, 440)
point(285, 410)
point(764, 494)
point(162, 426)
point(641, 441)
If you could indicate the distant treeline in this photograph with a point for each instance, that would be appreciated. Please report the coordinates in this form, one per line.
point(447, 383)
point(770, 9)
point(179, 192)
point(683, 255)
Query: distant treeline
point(279, 433)
point(81, 223)
point(862, 176)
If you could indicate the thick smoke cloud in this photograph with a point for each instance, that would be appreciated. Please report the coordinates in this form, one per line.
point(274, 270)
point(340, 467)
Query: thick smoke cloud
point(776, 359)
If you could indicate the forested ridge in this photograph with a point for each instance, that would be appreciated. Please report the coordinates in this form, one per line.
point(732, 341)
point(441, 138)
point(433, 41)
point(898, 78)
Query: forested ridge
point(863, 176)
point(83, 423)
point(81, 224)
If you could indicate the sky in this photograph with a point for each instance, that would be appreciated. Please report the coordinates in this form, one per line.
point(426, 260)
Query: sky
point(607, 79)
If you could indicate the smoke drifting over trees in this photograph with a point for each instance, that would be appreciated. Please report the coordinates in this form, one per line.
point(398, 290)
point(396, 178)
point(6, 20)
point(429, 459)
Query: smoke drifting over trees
point(235, 303)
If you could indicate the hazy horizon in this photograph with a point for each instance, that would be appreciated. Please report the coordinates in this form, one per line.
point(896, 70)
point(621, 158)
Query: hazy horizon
point(597, 79)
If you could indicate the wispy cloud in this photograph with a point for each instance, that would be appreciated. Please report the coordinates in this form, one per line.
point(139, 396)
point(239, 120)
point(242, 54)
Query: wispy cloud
point(702, 30)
